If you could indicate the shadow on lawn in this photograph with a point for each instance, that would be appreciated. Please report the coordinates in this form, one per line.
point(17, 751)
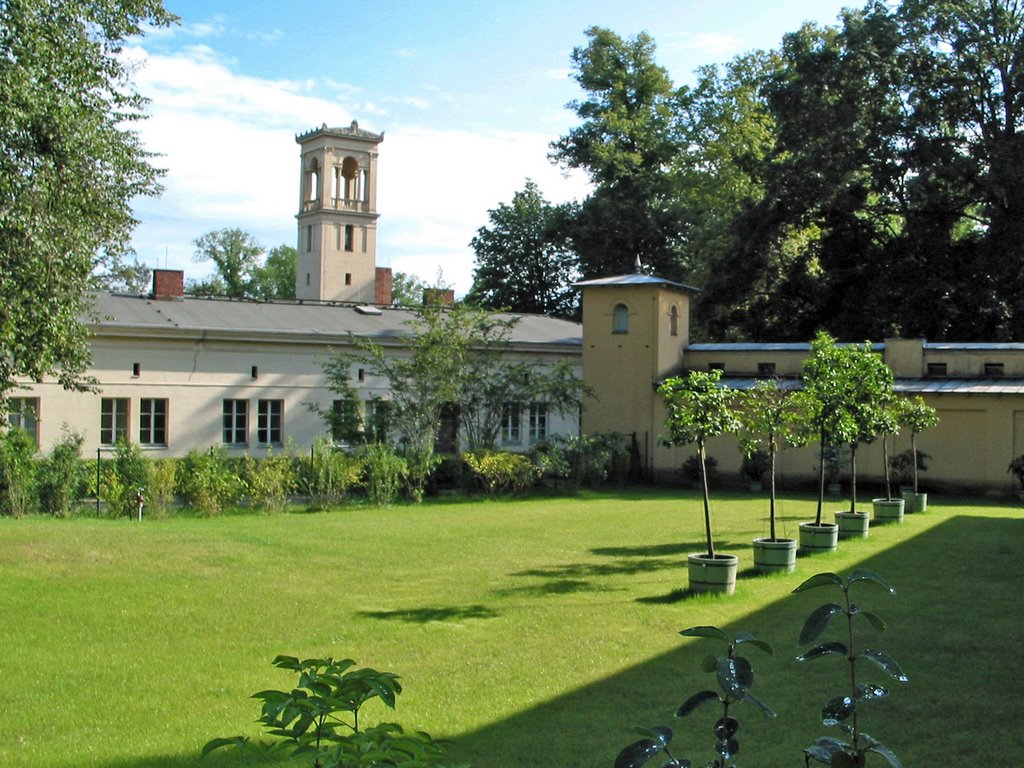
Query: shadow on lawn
point(950, 639)
point(425, 615)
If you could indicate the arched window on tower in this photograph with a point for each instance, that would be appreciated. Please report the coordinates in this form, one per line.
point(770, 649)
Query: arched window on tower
point(313, 180)
point(673, 321)
point(350, 174)
point(620, 319)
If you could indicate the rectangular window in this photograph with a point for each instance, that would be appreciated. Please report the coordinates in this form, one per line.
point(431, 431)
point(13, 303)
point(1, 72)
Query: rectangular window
point(152, 421)
point(766, 369)
point(113, 420)
point(993, 369)
point(236, 422)
point(349, 237)
point(716, 367)
point(376, 425)
point(511, 425)
point(309, 238)
point(538, 422)
point(23, 413)
point(936, 369)
point(344, 421)
point(269, 419)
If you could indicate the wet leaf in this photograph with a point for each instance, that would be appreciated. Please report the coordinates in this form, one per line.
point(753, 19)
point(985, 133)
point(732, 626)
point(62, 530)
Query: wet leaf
point(881, 749)
point(727, 748)
point(660, 733)
point(747, 638)
point(735, 676)
point(876, 621)
point(838, 709)
point(820, 580)
point(868, 691)
point(638, 753)
point(752, 699)
point(827, 649)
point(862, 574)
point(726, 727)
point(825, 748)
point(817, 622)
point(886, 662)
point(695, 701)
point(705, 631)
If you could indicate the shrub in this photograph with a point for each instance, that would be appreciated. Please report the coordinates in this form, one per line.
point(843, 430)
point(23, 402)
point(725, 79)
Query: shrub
point(126, 475)
point(329, 475)
point(160, 482)
point(270, 480)
point(17, 472)
point(60, 475)
point(384, 472)
point(690, 471)
point(593, 458)
point(502, 471)
point(207, 482)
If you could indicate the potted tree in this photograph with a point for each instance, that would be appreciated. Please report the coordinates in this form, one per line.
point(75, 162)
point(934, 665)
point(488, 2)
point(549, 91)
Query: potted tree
point(889, 508)
point(918, 416)
point(697, 408)
point(866, 392)
point(766, 418)
point(821, 414)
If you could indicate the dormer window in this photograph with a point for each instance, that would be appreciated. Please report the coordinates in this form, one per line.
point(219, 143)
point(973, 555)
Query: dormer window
point(937, 369)
point(766, 369)
point(993, 369)
point(620, 319)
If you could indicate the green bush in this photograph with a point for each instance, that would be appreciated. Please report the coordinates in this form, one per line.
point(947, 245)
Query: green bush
point(502, 472)
point(60, 475)
point(329, 475)
point(160, 483)
point(270, 480)
point(208, 482)
point(125, 476)
point(594, 458)
point(17, 473)
point(384, 473)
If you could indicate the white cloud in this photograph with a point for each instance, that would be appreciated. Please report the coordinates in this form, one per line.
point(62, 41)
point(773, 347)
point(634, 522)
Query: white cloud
point(228, 143)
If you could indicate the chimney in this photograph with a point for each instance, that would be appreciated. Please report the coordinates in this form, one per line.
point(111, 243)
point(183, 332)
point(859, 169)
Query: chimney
point(382, 286)
point(168, 284)
point(438, 296)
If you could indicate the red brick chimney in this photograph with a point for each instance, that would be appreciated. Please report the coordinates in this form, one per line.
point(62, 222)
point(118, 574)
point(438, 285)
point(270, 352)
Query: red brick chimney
point(382, 286)
point(168, 284)
point(438, 296)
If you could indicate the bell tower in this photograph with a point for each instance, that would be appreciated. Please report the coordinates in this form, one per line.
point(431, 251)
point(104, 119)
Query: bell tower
point(337, 219)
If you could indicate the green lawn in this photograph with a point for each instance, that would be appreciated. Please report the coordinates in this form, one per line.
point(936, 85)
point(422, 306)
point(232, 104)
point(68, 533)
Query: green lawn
point(533, 633)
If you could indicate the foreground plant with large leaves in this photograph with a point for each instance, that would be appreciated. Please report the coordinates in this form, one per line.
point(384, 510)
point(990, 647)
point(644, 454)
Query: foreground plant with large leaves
point(320, 719)
point(844, 710)
point(735, 676)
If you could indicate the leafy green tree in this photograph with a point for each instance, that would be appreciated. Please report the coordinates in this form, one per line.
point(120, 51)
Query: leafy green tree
point(70, 165)
point(407, 290)
point(522, 263)
point(275, 278)
point(120, 275)
point(626, 143)
point(236, 256)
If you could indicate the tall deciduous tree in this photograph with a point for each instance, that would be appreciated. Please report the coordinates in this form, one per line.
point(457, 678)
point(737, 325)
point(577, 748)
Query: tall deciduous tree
point(70, 164)
point(236, 256)
point(626, 143)
point(522, 263)
point(275, 278)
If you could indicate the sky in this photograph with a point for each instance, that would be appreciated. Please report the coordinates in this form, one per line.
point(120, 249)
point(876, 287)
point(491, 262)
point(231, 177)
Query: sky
point(468, 93)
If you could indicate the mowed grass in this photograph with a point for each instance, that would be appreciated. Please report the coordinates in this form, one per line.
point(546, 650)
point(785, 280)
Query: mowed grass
point(533, 633)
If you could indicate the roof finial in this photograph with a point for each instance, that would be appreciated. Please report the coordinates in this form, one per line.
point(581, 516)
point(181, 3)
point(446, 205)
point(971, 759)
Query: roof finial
point(638, 268)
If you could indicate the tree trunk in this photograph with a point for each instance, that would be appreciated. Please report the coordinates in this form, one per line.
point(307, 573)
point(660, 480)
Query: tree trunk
point(707, 506)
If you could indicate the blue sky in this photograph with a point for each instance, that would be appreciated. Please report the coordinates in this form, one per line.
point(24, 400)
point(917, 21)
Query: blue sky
point(468, 93)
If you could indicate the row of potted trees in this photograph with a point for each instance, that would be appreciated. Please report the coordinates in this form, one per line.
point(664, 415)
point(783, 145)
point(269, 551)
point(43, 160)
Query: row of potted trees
point(846, 399)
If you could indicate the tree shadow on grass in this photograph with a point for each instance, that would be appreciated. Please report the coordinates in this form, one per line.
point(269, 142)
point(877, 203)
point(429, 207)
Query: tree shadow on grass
point(552, 587)
point(425, 615)
point(931, 629)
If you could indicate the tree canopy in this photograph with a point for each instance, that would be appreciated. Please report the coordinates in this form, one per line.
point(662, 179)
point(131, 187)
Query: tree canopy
point(242, 267)
point(70, 164)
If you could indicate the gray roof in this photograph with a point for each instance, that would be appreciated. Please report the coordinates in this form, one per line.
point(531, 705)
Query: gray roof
point(745, 346)
point(974, 346)
point(635, 279)
point(120, 313)
point(909, 386)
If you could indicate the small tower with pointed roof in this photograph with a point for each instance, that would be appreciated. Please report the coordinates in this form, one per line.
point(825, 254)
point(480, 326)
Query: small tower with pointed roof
point(635, 328)
point(337, 219)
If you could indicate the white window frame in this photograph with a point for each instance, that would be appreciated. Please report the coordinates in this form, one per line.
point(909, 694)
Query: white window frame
point(270, 422)
point(235, 422)
point(115, 415)
point(153, 421)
